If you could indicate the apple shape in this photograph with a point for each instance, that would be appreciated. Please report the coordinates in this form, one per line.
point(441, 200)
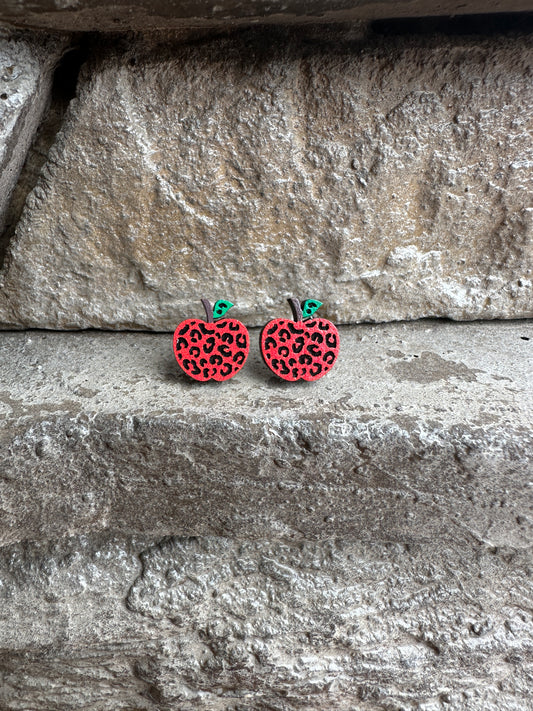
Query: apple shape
point(304, 348)
point(212, 349)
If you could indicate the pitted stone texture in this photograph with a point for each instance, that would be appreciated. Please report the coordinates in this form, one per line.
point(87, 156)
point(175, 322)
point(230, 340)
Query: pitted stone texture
point(390, 181)
point(102, 15)
point(213, 623)
point(420, 432)
point(26, 66)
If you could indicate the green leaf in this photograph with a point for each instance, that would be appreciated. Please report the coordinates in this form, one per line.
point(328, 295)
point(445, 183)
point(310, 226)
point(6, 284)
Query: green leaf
point(220, 308)
point(309, 307)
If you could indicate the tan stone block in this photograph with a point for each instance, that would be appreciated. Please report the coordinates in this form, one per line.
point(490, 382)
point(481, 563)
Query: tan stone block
point(391, 180)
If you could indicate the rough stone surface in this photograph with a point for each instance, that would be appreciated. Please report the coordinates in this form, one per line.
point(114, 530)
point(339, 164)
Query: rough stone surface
point(26, 66)
point(101, 15)
point(391, 180)
point(108, 623)
point(420, 432)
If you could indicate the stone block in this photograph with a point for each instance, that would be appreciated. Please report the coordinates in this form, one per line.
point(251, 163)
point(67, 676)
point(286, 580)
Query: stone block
point(421, 432)
point(99, 15)
point(27, 62)
point(391, 179)
point(108, 623)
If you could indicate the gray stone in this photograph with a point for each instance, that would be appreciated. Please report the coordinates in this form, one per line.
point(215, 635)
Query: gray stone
point(390, 179)
point(79, 15)
point(421, 432)
point(103, 623)
point(27, 62)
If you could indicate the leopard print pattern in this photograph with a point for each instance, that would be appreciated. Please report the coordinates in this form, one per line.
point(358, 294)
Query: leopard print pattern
point(300, 350)
point(208, 351)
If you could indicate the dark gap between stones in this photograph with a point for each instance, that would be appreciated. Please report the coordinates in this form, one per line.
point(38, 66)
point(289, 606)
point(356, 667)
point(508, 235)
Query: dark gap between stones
point(64, 86)
point(487, 25)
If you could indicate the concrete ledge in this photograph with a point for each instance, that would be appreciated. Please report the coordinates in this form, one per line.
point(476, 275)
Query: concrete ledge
point(421, 432)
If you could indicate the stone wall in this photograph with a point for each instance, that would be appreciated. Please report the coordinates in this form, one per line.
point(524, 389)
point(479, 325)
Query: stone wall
point(391, 179)
point(361, 543)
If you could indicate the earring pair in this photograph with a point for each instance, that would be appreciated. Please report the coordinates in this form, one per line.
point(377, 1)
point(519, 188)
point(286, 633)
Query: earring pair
point(301, 348)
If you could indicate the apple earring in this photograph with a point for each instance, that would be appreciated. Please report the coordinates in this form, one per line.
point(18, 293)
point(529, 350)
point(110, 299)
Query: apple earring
point(302, 349)
point(212, 349)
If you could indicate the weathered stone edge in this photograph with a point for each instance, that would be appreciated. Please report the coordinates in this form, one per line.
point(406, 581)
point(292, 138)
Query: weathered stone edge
point(304, 478)
point(145, 15)
point(46, 51)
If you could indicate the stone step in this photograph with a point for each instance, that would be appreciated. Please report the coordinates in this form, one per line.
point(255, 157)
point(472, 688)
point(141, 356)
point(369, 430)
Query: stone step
point(421, 432)
point(106, 623)
point(388, 177)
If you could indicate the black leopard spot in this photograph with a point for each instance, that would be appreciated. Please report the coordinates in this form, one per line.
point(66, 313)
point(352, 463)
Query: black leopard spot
point(314, 350)
point(329, 357)
point(241, 340)
point(316, 369)
point(292, 361)
point(195, 369)
point(283, 351)
point(216, 359)
point(235, 326)
point(270, 343)
point(184, 330)
point(295, 372)
point(195, 351)
point(205, 372)
point(305, 359)
point(284, 335)
point(299, 343)
point(181, 343)
point(224, 350)
point(317, 337)
point(205, 328)
point(238, 357)
point(209, 344)
point(196, 335)
point(226, 369)
point(203, 362)
point(227, 338)
point(272, 329)
point(331, 340)
point(284, 369)
point(294, 328)
point(323, 325)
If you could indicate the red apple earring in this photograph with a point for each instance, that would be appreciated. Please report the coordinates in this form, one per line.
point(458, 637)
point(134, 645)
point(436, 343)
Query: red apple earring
point(302, 349)
point(212, 349)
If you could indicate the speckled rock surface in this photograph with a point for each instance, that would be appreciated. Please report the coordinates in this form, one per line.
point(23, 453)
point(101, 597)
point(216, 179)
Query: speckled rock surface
point(434, 441)
point(26, 66)
point(102, 15)
point(103, 623)
point(391, 180)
